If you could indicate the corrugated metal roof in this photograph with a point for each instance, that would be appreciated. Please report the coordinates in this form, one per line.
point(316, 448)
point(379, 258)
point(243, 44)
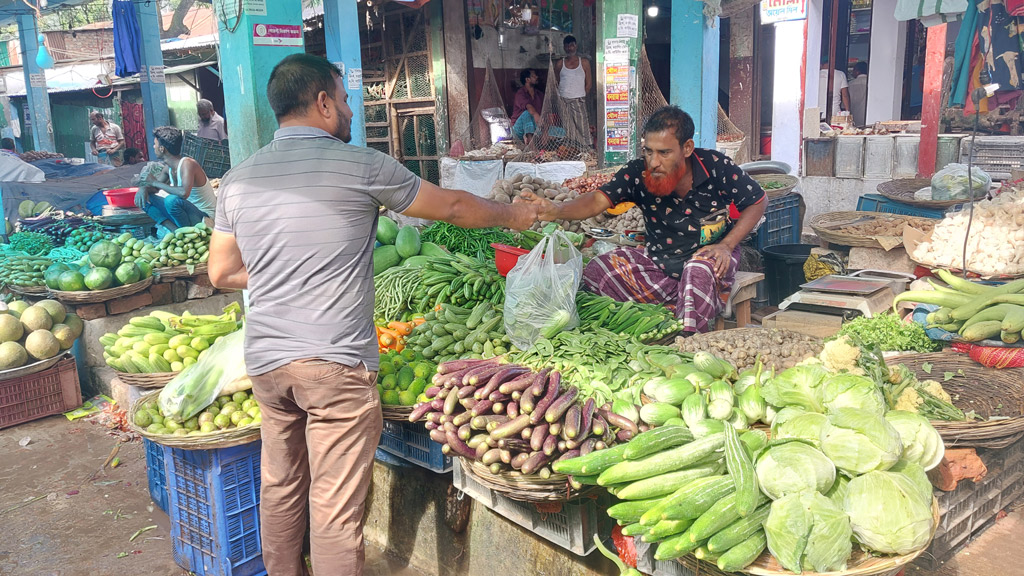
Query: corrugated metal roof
point(77, 77)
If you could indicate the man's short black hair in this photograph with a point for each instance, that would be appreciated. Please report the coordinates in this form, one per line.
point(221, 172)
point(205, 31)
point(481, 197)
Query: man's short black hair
point(170, 138)
point(130, 153)
point(570, 39)
point(7, 144)
point(524, 74)
point(671, 118)
point(861, 67)
point(296, 81)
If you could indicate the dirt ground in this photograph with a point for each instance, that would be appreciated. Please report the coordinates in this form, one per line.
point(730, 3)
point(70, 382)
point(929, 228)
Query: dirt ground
point(63, 514)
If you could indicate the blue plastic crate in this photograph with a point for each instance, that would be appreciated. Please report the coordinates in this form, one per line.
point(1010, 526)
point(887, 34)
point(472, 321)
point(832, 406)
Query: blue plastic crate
point(214, 509)
point(156, 472)
point(879, 203)
point(782, 223)
point(411, 442)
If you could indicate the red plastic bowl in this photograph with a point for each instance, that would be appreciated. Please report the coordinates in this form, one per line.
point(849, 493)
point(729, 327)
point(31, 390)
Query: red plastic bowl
point(505, 257)
point(121, 197)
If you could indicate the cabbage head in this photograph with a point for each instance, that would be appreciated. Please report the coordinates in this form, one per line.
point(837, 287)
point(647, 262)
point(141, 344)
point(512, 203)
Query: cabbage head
point(838, 492)
point(859, 442)
point(793, 467)
point(797, 386)
point(921, 441)
point(889, 512)
point(809, 532)
point(806, 426)
point(852, 391)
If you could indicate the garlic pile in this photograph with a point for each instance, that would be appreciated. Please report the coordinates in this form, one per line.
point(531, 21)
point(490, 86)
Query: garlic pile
point(996, 245)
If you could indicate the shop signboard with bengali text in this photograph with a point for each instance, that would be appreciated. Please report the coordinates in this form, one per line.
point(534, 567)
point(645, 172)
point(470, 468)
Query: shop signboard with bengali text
point(782, 10)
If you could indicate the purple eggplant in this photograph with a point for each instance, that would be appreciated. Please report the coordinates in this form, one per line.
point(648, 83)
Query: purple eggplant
point(569, 454)
point(519, 459)
point(482, 407)
point(481, 449)
point(572, 420)
point(512, 427)
point(518, 384)
point(437, 436)
point(512, 409)
point(458, 365)
point(527, 403)
point(550, 445)
point(498, 407)
point(432, 392)
point(527, 433)
point(620, 422)
point(437, 404)
point(450, 402)
point(540, 384)
point(587, 446)
point(464, 432)
point(497, 468)
point(555, 428)
point(466, 391)
point(550, 395)
point(540, 433)
point(480, 422)
point(599, 427)
point(462, 418)
point(535, 462)
point(624, 435)
point(544, 473)
point(514, 444)
point(498, 397)
point(430, 425)
point(468, 403)
point(420, 411)
point(491, 456)
point(476, 440)
point(459, 446)
point(506, 455)
point(575, 484)
point(560, 406)
point(587, 418)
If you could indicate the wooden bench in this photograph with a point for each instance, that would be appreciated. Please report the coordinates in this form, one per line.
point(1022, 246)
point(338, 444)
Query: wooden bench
point(744, 288)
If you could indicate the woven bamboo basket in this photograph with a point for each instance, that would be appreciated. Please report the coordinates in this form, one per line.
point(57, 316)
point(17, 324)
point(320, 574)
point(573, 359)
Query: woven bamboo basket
point(903, 190)
point(219, 439)
point(860, 563)
point(980, 389)
point(522, 487)
point(827, 225)
point(94, 296)
point(33, 368)
point(182, 271)
point(151, 380)
point(396, 413)
point(788, 182)
point(28, 290)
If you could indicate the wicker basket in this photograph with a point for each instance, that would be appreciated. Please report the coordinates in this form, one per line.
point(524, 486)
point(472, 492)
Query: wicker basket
point(860, 563)
point(826, 227)
point(220, 439)
point(522, 487)
point(789, 183)
point(94, 296)
point(33, 368)
point(28, 290)
point(151, 380)
point(181, 271)
point(980, 389)
point(903, 190)
point(396, 413)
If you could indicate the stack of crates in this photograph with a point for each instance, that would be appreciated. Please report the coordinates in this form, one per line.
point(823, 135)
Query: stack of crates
point(157, 473)
point(214, 498)
point(214, 157)
point(782, 223)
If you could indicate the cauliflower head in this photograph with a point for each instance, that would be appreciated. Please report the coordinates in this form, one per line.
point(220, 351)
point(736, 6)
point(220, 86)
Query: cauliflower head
point(935, 389)
point(840, 355)
point(909, 400)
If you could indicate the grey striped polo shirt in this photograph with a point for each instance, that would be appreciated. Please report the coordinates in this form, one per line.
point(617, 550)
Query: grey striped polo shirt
point(303, 210)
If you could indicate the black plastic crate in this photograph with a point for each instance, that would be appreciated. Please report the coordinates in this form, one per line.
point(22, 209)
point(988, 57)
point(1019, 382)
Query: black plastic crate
point(214, 157)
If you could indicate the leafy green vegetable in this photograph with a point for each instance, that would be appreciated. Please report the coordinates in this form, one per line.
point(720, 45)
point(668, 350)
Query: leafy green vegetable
point(921, 442)
point(859, 442)
point(927, 367)
point(809, 532)
point(889, 333)
point(852, 391)
point(900, 526)
point(792, 467)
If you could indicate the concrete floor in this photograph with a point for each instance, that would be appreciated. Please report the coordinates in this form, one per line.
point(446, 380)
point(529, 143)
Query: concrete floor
point(62, 515)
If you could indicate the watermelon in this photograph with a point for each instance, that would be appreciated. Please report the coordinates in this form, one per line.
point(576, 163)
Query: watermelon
point(71, 281)
point(105, 254)
point(408, 242)
point(433, 250)
point(387, 230)
point(127, 273)
point(99, 279)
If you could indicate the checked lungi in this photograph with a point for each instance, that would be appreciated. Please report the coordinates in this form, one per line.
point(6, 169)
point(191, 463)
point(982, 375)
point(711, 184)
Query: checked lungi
point(696, 298)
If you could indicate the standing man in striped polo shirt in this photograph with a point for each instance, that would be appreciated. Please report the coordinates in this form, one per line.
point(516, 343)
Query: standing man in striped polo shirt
point(295, 225)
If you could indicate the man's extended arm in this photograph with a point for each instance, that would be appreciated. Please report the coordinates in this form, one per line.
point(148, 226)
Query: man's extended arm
point(469, 211)
point(226, 268)
point(588, 77)
point(582, 207)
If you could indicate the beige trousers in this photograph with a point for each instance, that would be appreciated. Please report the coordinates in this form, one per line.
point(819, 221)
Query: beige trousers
point(321, 425)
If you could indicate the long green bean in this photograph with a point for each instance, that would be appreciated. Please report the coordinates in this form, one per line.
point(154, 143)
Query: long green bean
point(466, 241)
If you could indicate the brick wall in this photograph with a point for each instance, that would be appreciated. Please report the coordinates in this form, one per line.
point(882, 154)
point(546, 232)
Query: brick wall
point(81, 44)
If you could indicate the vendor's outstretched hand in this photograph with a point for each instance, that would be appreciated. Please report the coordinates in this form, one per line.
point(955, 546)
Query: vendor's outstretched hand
point(546, 209)
point(720, 254)
point(524, 215)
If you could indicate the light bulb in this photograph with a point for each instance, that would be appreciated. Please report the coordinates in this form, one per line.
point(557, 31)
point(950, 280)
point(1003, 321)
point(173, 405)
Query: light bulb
point(652, 11)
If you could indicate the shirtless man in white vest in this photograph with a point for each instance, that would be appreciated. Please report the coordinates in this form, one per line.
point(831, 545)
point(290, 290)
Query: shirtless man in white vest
point(575, 81)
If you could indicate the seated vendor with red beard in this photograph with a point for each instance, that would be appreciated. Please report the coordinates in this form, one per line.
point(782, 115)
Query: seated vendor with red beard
point(693, 245)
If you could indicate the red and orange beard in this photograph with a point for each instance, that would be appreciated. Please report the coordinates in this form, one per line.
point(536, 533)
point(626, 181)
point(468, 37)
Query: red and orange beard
point(662, 185)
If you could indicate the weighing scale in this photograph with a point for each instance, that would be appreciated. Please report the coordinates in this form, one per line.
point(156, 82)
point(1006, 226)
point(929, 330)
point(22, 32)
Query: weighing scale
point(845, 296)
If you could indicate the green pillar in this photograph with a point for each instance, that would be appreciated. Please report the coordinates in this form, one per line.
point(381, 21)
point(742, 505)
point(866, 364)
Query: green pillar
point(619, 37)
point(251, 44)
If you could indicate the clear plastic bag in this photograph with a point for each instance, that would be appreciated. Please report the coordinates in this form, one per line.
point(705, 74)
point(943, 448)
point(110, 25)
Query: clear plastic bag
point(951, 183)
point(197, 386)
point(540, 291)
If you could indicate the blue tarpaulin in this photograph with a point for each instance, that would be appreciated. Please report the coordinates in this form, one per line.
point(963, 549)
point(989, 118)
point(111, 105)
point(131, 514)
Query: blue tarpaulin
point(127, 38)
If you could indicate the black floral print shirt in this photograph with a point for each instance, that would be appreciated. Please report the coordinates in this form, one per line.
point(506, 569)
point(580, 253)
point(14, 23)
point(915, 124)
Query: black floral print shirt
point(678, 226)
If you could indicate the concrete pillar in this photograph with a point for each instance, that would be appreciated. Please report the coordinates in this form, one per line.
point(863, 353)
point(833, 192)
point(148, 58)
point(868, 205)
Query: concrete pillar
point(885, 82)
point(35, 84)
point(694, 61)
point(741, 79)
point(341, 31)
point(619, 36)
point(250, 46)
point(154, 90)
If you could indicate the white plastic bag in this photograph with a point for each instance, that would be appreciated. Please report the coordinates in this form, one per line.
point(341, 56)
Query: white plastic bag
point(951, 183)
point(540, 291)
point(199, 385)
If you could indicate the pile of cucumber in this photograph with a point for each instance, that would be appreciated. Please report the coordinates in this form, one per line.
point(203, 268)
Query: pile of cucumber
point(687, 495)
point(973, 310)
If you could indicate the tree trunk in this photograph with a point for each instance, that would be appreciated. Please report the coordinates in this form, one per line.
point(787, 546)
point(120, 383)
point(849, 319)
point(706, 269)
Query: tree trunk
point(177, 26)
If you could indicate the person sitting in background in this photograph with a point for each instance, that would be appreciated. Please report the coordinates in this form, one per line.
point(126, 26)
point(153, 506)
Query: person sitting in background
point(211, 124)
point(189, 198)
point(527, 105)
point(133, 156)
point(7, 146)
point(858, 89)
